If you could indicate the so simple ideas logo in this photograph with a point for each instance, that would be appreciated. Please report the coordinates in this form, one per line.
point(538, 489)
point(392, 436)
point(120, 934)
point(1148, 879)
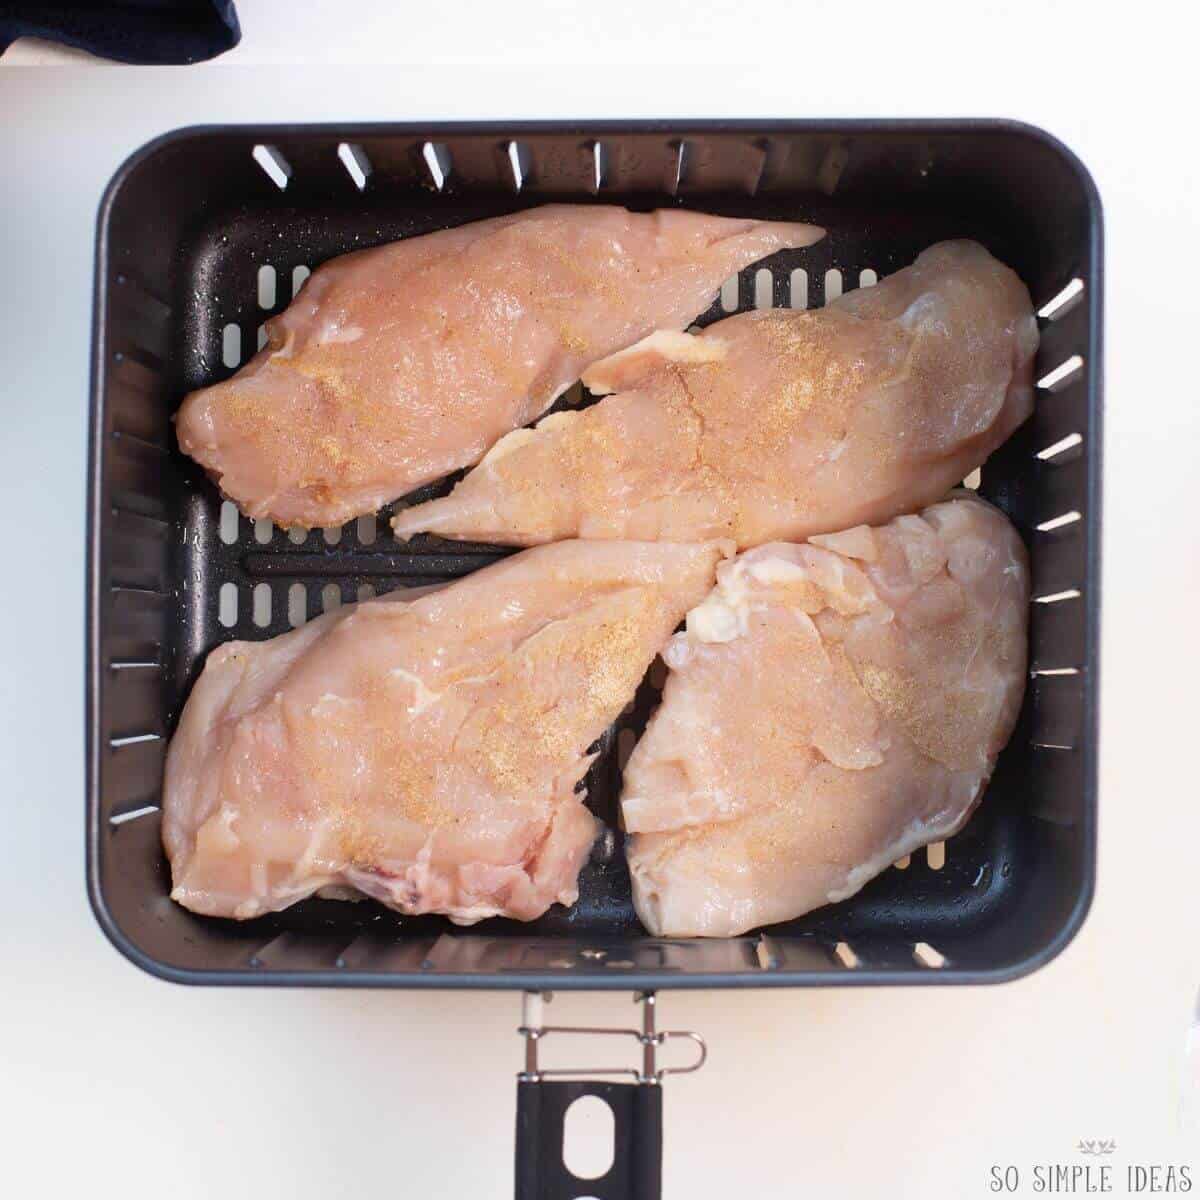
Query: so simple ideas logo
point(1092, 1176)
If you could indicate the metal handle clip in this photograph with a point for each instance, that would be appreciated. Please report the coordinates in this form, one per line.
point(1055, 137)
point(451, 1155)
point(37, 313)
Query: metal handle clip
point(533, 1031)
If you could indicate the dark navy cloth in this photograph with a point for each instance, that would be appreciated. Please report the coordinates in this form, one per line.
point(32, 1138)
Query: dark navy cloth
point(135, 31)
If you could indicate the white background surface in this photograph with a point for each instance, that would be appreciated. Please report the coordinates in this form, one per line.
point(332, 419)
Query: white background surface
point(114, 1084)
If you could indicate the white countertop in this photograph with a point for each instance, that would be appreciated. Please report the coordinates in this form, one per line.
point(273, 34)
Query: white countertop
point(115, 1084)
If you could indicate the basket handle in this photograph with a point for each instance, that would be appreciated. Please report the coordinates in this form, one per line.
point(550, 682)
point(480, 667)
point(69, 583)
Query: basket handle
point(543, 1097)
point(636, 1171)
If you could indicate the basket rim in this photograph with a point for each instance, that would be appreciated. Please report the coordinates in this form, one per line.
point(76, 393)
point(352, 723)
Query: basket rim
point(647, 979)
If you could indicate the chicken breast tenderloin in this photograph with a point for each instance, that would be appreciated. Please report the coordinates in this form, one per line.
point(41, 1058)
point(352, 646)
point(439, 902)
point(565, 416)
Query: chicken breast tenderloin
point(424, 752)
point(397, 365)
point(772, 424)
point(831, 707)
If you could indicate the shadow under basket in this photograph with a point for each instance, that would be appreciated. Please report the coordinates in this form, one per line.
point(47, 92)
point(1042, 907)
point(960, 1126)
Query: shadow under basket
point(205, 233)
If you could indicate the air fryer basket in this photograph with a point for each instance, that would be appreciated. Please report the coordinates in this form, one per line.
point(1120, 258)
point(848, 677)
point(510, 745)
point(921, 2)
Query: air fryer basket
point(187, 231)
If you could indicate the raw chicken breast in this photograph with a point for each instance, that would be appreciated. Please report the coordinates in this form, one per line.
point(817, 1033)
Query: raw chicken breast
point(424, 751)
point(397, 365)
point(772, 424)
point(831, 707)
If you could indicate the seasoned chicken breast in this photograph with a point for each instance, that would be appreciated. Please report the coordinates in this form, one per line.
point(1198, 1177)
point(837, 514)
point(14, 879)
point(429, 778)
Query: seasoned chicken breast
point(424, 752)
point(397, 365)
point(772, 424)
point(831, 707)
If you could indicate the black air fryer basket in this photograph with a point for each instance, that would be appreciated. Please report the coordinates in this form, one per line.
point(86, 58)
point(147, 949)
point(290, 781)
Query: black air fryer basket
point(205, 233)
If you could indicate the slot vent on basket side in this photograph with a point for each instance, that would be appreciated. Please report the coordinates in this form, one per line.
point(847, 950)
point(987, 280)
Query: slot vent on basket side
point(366, 529)
point(1057, 638)
point(867, 277)
point(1054, 779)
point(520, 162)
point(261, 957)
point(275, 166)
point(678, 151)
point(118, 588)
point(833, 284)
point(138, 400)
point(133, 772)
point(144, 320)
point(381, 952)
point(141, 551)
point(132, 664)
point(1056, 451)
point(124, 816)
point(844, 954)
point(358, 166)
point(228, 526)
point(1058, 597)
point(926, 956)
point(1058, 378)
point(300, 273)
point(829, 173)
point(150, 522)
point(973, 480)
point(146, 358)
point(1059, 522)
point(436, 156)
point(133, 739)
point(1061, 304)
point(760, 156)
point(138, 470)
point(935, 855)
point(331, 597)
point(766, 953)
point(295, 951)
point(138, 295)
point(1057, 710)
point(599, 165)
point(264, 530)
point(902, 864)
point(143, 444)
